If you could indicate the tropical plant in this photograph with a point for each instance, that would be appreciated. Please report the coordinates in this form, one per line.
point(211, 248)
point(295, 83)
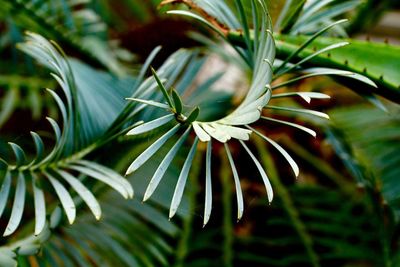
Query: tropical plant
point(180, 130)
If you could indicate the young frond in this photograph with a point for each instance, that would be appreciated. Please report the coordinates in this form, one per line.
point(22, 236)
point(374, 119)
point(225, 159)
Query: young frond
point(257, 50)
point(62, 166)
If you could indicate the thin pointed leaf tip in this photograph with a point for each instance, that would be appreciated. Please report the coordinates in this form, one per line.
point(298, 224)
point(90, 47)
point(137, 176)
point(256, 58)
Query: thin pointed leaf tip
point(254, 50)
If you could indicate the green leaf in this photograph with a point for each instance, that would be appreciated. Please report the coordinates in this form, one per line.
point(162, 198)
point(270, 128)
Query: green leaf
point(65, 198)
point(208, 190)
point(19, 154)
point(117, 185)
point(239, 194)
point(150, 103)
point(38, 145)
point(313, 72)
point(288, 15)
point(313, 55)
point(298, 110)
point(5, 191)
point(373, 138)
point(201, 134)
point(109, 173)
point(151, 150)
point(193, 115)
point(177, 101)
point(242, 119)
point(162, 88)
point(234, 132)
point(180, 184)
point(28, 249)
point(307, 96)
point(17, 207)
point(148, 126)
point(380, 65)
point(56, 129)
point(300, 127)
point(264, 176)
point(40, 206)
point(320, 13)
point(307, 43)
point(83, 192)
point(7, 258)
point(215, 133)
point(162, 168)
point(289, 159)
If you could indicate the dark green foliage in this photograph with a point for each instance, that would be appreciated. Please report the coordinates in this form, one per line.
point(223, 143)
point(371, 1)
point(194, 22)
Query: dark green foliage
point(194, 149)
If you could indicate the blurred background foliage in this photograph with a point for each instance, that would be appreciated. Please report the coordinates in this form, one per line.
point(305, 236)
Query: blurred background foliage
point(343, 210)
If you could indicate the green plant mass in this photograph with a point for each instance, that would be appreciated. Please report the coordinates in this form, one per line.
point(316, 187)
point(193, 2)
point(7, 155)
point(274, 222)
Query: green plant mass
point(199, 133)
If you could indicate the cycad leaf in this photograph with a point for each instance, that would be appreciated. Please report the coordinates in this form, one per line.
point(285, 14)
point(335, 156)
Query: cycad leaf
point(177, 101)
point(353, 75)
point(264, 176)
point(215, 133)
point(148, 126)
point(65, 198)
point(39, 146)
point(193, 115)
point(40, 206)
point(242, 119)
point(151, 150)
point(313, 55)
point(56, 129)
point(380, 66)
point(162, 168)
point(308, 42)
point(201, 134)
point(109, 173)
point(298, 110)
point(163, 89)
point(180, 185)
point(289, 159)
point(208, 190)
point(5, 191)
point(7, 258)
point(239, 194)
point(234, 132)
point(288, 15)
point(150, 103)
point(307, 96)
point(18, 206)
point(19, 154)
point(116, 184)
point(83, 192)
point(300, 127)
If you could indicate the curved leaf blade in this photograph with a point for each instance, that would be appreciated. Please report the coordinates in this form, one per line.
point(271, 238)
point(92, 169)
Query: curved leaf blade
point(40, 206)
point(180, 185)
point(65, 198)
point(83, 192)
point(18, 206)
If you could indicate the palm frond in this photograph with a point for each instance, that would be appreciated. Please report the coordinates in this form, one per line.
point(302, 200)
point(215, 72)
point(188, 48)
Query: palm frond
point(258, 52)
point(373, 135)
point(317, 14)
point(259, 55)
point(63, 164)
